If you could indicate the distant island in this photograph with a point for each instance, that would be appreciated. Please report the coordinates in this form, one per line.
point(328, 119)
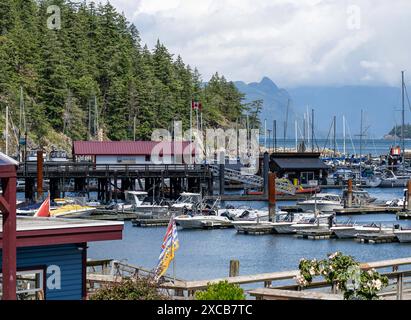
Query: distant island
point(395, 133)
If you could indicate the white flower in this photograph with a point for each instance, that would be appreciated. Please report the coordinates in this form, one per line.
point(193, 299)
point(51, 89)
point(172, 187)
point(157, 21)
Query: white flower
point(378, 284)
point(300, 280)
point(332, 256)
point(312, 271)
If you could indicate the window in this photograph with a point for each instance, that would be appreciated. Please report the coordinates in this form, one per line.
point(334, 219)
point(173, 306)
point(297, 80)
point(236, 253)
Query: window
point(306, 177)
point(30, 285)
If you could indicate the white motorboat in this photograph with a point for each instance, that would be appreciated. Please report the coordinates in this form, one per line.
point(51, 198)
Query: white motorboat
point(319, 221)
point(351, 231)
point(135, 201)
point(186, 201)
point(391, 180)
point(323, 202)
point(284, 225)
point(403, 235)
point(202, 222)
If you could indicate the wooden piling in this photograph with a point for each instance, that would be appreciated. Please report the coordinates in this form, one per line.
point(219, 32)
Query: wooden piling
point(234, 268)
point(271, 195)
point(349, 194)
point(39, 174)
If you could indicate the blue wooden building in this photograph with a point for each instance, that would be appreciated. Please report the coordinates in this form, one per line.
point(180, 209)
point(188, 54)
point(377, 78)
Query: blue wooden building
point(52, 255)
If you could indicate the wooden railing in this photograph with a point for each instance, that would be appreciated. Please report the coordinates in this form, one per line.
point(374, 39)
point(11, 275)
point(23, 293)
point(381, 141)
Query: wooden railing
point(397, 280)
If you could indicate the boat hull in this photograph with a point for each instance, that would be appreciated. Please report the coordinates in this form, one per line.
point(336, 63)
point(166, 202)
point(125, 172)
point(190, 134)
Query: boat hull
point(284, 227)
point(323, 207)
point(403, 236)
point(187, 222)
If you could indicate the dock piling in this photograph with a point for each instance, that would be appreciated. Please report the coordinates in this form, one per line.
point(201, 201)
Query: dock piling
point(271, 195)
point(409, 195)
point(39, 174)
point(234, 268)
point(349, 194)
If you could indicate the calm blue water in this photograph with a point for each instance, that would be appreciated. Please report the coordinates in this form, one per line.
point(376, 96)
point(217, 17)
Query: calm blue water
point(374, 147)
point(206, 254)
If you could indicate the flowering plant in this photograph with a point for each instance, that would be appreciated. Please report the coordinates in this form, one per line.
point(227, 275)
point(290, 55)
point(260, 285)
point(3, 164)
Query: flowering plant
point(345, 274)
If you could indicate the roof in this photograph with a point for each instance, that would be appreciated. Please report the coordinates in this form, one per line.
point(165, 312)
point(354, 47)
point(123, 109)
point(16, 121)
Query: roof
point(8, 166)
point(6, 160)
point(299, 163)
point(50, 231)
point(91, 148)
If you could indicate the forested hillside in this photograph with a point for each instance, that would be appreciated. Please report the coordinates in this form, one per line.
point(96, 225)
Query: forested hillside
point(95, 78)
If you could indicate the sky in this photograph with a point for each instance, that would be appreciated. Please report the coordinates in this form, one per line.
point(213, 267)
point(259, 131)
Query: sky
point(294, 42)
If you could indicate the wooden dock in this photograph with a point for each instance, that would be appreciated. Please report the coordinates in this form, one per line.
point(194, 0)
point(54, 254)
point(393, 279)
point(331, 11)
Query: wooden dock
point(352, 211)
point(376, 238)
point(367, 210)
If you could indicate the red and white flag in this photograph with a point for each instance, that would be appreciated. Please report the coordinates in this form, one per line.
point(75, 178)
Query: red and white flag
point(44, 210)
point(195, 105)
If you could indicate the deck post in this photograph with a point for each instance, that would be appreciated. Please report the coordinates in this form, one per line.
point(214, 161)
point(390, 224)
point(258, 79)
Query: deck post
point(234, 268)
point(222, 180)
point(271, 195)
point(399, 286)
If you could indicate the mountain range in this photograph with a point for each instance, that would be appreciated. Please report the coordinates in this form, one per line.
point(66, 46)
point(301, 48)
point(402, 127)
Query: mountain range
point(381, 106)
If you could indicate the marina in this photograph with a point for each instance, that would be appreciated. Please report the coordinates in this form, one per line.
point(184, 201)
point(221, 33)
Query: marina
point(279, 171)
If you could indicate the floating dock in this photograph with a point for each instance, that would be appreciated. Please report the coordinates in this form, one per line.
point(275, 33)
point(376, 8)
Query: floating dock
point(376, 238)
point(315, 234)
point(150, 223)
point(256, 230)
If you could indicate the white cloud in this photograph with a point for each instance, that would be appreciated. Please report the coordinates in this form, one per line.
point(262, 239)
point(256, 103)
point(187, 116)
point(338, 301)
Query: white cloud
point(295, 42)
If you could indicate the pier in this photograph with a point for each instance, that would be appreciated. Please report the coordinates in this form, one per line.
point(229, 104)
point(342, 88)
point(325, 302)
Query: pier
point(112, 180)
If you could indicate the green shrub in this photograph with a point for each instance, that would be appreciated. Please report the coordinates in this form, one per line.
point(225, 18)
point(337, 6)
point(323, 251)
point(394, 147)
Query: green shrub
point(221, 291)
point(129, 289)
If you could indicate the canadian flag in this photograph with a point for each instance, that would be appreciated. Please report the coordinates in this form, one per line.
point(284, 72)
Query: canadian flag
point(196, 105)
point(44, 210)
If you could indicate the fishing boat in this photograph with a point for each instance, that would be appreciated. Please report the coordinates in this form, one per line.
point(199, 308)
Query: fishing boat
point(351, 230)
point(324, 202)
point(72, 211)
point(136, 201)
point(318, 221)
point(391, 180)
point(186, 201)
point(284, 223)
point(69, 208)
point(202, 222)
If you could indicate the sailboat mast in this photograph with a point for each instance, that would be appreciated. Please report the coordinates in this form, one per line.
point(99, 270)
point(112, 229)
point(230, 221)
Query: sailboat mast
point(403, 114)
point(344, 136)
point(312, 130)
point(361, 135)
point(335, 136)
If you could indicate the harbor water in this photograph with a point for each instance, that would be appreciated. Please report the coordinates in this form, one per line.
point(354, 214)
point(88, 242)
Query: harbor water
point(205, 254)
